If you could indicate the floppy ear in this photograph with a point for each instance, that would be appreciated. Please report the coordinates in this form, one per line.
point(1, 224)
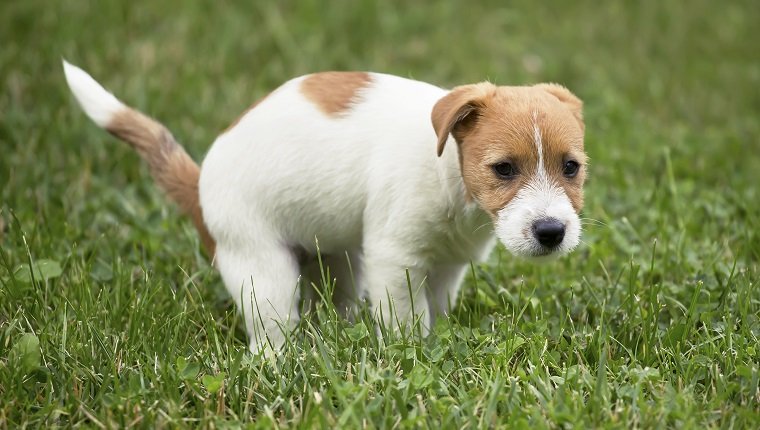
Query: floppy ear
point(454, 109)
point(569, 99)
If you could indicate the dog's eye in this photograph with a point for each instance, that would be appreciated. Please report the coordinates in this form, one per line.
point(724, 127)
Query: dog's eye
point(505, 170)
point(570, 169)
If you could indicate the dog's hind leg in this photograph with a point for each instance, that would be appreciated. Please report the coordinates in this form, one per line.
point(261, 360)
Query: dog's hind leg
point(263, 280)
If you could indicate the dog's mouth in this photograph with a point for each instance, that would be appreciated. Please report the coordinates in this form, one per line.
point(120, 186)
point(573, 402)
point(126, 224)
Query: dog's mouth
point(543, 254)
point(537, 252)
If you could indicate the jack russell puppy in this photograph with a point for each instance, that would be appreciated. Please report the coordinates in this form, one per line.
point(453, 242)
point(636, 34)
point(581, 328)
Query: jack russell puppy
point(398, 184)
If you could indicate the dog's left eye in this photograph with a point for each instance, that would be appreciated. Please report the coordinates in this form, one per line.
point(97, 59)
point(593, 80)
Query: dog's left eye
point(570, 169)
point(505, 170)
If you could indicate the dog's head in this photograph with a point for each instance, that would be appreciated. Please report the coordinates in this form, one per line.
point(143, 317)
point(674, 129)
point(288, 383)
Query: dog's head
point(522, 160)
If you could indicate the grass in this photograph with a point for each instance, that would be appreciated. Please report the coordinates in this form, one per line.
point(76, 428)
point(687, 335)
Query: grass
point(653, 322)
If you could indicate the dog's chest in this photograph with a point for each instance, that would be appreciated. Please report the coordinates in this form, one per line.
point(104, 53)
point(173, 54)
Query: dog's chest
point(468, 236)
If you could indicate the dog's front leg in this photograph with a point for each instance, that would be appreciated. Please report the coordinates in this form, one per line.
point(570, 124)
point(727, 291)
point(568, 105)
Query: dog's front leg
point(395, 287)
point(445, 281)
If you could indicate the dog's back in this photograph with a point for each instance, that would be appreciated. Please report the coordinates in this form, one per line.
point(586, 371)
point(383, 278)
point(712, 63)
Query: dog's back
point(305, 172)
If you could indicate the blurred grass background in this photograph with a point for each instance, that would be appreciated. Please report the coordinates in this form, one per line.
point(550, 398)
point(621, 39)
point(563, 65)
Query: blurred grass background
point(672, 112)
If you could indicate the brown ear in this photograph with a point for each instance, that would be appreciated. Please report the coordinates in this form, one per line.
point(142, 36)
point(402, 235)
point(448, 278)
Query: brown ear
point(565, 96)
point(453, 109)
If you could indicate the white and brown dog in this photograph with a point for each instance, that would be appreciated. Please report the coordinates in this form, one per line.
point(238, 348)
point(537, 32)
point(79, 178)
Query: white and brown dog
point(348, 164)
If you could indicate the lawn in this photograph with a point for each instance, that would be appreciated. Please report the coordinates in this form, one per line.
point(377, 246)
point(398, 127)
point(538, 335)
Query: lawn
point(653, 322)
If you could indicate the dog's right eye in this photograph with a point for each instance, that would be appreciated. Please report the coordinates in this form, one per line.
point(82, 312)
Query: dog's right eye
point(505, 170)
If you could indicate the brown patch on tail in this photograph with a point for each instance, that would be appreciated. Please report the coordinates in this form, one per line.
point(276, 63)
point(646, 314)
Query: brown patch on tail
point(172, 168)
point(334, 92)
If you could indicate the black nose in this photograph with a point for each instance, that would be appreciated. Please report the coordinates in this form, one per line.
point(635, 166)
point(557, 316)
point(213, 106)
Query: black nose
point(549, 232)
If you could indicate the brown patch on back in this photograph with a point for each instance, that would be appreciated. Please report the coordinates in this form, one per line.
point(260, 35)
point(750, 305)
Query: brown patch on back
point(334, 92)
point(172, 168)
point(498, 126)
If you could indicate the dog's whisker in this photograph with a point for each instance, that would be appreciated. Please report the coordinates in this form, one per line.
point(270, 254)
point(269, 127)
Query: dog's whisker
point(600, 224)
point(481, 226)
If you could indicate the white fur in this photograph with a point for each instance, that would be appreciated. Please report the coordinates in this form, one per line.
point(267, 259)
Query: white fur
point(539, 144)
point(96, 101)
point(539, 199)
point(367, 182)
point(289, 180)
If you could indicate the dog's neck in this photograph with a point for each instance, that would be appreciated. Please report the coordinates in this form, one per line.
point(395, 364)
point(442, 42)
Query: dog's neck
point(468, 234)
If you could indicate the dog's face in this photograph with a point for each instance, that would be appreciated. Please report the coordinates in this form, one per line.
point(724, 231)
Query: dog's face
point(522, 160)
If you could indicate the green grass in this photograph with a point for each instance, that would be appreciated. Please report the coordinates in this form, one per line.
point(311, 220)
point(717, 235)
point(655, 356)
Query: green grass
point(653, 322)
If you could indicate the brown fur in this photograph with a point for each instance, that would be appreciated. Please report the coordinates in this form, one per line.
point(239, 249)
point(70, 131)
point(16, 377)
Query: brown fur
point(561, 139)
point(567, 98)
point(172, 168)
point(458, 109)
point(334, 92)
point(496, 124)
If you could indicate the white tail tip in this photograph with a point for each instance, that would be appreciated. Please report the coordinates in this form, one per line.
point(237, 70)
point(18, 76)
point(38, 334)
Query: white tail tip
point(96, 101)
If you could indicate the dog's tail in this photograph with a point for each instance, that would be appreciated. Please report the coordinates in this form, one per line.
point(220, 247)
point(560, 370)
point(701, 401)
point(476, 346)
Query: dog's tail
point(176, 173)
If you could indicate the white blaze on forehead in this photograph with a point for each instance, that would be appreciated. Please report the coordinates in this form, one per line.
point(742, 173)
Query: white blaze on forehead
point(539, 198)
point(541, 179)
point(537, 142)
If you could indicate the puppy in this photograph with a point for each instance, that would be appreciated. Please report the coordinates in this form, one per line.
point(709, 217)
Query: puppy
point(398, 184)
